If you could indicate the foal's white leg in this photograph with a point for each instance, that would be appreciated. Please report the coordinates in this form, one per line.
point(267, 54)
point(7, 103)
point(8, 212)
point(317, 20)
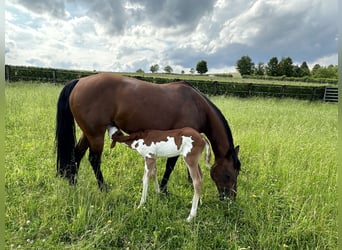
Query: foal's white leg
point(154, 174)
point(197, 183)
point(149, 165)
point(145, 185)
point(194, 206)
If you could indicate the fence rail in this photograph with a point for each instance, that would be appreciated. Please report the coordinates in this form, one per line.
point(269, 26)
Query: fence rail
point(56, 76)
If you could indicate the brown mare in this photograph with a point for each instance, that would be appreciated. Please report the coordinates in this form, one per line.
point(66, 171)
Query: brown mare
point(151, 144)
point(132, 105)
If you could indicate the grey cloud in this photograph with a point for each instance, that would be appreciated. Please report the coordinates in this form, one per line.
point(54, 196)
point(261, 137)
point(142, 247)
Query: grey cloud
point(189, 57)
point(10, 46)
point(302, 33)
point(115, 17)
point(110, 14)
point(263, 29)
point(176, 12)
point(54, 8)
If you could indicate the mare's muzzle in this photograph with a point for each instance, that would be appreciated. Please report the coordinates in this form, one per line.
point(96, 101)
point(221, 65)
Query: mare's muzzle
point(228, 194)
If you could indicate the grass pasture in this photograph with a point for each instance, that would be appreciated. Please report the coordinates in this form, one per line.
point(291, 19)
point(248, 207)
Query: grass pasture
point(287, 195)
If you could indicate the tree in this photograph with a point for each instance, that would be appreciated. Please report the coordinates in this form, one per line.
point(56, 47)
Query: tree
point(245, 66)
point(272, 68)
point(325, 72)
point(316, 67)
point(154, 68)
point(332, 71)
point(304, 68)
point(202, 67)
point(140, 71)
point(260, 69)
point(168, 69)
point(297, 71)
point(192, 70)
point(286, 67)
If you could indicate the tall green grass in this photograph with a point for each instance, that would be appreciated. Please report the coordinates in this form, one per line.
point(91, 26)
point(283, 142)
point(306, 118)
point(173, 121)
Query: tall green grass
point(287, 195)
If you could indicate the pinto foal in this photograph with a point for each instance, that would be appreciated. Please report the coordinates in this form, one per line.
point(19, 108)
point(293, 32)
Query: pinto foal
point(151, 144)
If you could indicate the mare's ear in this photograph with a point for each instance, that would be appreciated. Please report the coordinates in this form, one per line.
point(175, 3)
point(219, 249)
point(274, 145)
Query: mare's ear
point(237, 149)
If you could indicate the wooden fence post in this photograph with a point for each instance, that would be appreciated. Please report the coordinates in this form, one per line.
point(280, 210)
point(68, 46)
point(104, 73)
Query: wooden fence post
point(283, 91)
point(313, 94)
point(54, 76)
point(250, 89)
point(215, 87)
point(7, 73)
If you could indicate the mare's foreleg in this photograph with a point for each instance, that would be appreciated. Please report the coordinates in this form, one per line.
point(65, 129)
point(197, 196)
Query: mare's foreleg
point(170, 165)
point(150, 169)
point(95, 152)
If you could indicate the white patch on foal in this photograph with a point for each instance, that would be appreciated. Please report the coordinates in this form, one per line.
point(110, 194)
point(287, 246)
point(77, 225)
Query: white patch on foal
point(167, 148)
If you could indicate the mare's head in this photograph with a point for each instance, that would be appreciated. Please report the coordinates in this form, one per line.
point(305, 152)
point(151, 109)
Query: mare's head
point(225, 172)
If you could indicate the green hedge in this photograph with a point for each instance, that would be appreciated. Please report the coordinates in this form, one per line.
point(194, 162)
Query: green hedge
point(22, 73)
point(250, 89)
point(27, 73)
point(292, 79)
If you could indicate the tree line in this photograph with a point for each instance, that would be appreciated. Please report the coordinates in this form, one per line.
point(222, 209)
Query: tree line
point(201, 68)
point(274, 68)
point(284, 67)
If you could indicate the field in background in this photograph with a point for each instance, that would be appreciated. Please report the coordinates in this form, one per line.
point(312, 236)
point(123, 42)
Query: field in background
point(233, 84)
point(27, 73)
point(287, 195)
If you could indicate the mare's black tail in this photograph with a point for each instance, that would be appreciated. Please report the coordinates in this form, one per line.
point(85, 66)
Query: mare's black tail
point(65, 133)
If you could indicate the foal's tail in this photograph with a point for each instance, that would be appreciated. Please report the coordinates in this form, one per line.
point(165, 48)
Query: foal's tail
point(65, 133)
point(207, 152)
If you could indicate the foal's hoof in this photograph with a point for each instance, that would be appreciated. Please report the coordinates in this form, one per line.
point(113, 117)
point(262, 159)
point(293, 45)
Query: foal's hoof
point(190, 218)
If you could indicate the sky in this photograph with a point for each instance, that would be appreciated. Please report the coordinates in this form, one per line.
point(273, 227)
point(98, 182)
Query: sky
point(127, 35)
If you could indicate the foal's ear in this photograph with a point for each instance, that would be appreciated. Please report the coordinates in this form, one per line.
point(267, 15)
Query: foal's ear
point(237, 148)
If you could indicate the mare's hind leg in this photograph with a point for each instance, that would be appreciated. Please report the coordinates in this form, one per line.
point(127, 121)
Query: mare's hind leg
point(95, 152)
point(80, 150)
point(170, 165)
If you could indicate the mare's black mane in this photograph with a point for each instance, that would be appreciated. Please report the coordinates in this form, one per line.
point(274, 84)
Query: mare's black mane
point(224, 121)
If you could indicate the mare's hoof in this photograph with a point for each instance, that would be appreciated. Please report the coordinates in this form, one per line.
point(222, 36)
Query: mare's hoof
point(164, 190)
point(72, 183)
point(104, 187)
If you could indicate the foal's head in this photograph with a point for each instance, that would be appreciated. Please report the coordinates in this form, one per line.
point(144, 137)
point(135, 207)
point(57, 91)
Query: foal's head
point(225, 172)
